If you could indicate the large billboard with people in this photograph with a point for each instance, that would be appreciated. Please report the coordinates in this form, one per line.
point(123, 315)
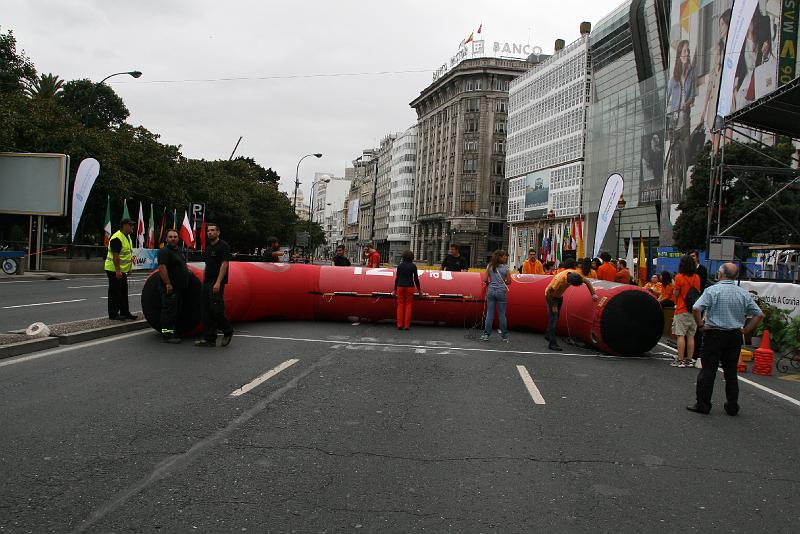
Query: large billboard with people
point(723, 54)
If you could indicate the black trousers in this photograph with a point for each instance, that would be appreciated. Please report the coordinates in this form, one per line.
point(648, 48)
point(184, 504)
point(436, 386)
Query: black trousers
point(213, 313)
point(551, 324)
point(719, 346)
point(170, 308)
point(117, 295)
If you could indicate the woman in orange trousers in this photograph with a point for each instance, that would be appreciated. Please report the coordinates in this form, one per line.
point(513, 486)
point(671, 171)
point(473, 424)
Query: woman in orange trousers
point(405, 281)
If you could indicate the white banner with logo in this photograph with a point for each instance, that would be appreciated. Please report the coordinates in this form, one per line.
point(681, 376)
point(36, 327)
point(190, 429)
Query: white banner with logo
point(145, 259)
point(608, 204)
point(352, 212)
point(784, 296)
point(741, 17)
point(84, 180)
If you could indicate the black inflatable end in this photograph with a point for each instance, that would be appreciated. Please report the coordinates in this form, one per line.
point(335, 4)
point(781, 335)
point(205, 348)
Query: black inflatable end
point(632, 323)
point(189, 312)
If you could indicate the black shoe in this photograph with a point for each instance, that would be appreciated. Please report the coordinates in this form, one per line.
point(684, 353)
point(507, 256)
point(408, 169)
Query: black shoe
point(172, 340)
point(732, 409)
point(117, 318)
point(226, 339)
point(204, 343)
point(129, 316)
point(406, 329)
point(696, 408)
point(554, 346)
point(546, 337)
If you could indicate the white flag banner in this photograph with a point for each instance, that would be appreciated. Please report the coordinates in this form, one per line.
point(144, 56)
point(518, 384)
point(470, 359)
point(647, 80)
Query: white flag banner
point(84, 181)
point(629, 257)
point(608, 203)
point(741, 15)
point(352, 212)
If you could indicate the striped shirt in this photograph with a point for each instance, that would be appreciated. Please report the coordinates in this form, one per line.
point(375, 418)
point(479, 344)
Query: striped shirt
point(727, 306)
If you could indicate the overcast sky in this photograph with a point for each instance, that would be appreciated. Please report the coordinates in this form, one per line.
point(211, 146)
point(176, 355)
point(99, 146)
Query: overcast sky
point(280, 119)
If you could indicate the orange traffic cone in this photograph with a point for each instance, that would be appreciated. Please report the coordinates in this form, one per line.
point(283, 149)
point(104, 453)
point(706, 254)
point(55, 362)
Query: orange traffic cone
point(764, 357)
point(741, 367)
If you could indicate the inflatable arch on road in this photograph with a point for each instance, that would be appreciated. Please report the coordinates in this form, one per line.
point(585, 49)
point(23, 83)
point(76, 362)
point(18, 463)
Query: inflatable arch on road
point(626, 320)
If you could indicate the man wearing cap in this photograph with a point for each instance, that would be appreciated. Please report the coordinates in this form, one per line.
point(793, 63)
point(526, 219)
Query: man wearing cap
point(119, 262)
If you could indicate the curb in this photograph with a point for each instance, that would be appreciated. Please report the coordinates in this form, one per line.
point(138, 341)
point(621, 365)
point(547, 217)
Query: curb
point(35, 345)
point(30, 345)
point(103, 331)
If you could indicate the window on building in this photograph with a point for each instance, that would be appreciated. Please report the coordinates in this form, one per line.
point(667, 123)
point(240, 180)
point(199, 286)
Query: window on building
point(500, 127)
point(478, 84)
point(499, 168)
point(472, 125)
point(500, 147)
point(473, 104)
point(501, 106)
point(470, 165)
point(471, 145)
point(468, 85)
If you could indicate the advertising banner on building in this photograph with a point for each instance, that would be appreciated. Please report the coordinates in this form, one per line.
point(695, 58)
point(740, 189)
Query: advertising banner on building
point(608, 204)
point(787, 68)
point(352, 212)
point(537, 193)
point(734, 80)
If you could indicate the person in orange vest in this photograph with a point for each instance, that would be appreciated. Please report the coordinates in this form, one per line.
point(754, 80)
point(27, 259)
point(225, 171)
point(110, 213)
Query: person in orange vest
point(532, 265)
point(606, 271)
point(548, 267)
point(623, 275)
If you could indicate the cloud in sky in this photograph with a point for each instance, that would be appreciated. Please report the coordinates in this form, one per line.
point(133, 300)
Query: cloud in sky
point(282, 117)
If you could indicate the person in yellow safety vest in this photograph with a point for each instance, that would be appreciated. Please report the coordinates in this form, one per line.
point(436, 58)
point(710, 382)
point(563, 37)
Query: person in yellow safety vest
point(119, 262)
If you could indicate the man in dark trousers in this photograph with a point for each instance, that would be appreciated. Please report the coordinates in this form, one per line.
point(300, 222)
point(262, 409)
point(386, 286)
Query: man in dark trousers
point(702, 273)
point(340, 260)
point(455, 261)
point(730, 312)
point(216, 256)
point(174, 278)
point(119, 262)
point(554, 295)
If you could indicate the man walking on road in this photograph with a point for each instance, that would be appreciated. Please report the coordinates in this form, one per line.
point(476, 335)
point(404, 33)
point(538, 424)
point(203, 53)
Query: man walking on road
point(554, 294)
point(729, 312)
point(215, 276)
point(174, 279)
point(119, 262)
point(454, 261)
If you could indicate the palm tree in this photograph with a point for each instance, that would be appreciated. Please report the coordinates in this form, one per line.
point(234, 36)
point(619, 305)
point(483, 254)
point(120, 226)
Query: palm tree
point(47, 87)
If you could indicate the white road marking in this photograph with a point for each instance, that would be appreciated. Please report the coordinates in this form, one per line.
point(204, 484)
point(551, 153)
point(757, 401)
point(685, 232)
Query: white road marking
point(758, 386)
point(536, 395)
point(263, 378)
point(470, 349)
point(102, 285)
point(129, 294)
point(666, 346)
point(42, 304)
point(60, 350)
point(19, 282)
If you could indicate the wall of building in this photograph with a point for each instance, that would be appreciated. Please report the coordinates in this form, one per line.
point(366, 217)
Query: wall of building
point(401, 198)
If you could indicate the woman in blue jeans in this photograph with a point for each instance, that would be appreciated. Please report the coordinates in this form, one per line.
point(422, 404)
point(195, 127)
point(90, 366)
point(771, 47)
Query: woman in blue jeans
point(497, 280)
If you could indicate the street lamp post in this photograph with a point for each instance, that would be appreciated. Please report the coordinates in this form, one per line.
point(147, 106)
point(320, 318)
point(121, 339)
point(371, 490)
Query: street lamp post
point(311, 207)
point(133, 73)
point(296, 185)
point(620, 206)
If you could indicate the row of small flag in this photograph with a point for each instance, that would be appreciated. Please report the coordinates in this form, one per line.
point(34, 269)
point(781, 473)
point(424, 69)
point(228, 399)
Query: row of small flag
point(146, 238)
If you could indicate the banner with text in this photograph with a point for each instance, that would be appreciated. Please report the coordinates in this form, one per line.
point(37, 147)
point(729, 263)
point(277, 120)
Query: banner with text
point(145, 259)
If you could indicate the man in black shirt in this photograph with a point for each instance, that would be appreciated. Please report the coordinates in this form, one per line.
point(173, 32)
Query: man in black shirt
point(701, 270)
point(216, 256)
point(274, 252)
point(455, 261)
point(174, 279)
point(340, 260)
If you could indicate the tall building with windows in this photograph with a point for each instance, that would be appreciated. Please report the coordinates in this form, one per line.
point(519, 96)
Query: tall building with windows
point(401, 198)
point(459, 191)
point(380, 232)
point(546, 138)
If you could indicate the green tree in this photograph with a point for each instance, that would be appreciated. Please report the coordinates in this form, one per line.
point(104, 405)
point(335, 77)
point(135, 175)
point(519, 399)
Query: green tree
point(46, 86)
point(742, 192)
point(96, 105)
point(15, 67)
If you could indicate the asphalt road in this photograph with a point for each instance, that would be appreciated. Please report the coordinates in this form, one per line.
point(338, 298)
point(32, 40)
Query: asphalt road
point(375, 430)
point(23, 302)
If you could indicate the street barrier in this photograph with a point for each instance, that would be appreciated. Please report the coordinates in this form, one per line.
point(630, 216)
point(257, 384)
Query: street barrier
point(627, 320)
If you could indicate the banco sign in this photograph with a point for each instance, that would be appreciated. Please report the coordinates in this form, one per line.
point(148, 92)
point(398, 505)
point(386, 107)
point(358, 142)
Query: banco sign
point(478, 49)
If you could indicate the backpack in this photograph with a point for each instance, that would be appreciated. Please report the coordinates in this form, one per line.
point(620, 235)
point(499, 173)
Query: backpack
point(691, 297)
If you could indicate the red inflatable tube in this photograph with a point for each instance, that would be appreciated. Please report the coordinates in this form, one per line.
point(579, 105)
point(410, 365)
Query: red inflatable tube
point(626, 320)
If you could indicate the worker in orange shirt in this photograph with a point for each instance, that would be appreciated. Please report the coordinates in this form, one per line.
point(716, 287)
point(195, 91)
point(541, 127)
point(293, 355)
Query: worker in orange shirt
point(532, 265)
point(623, 275)
point(372, 257)
point(606, 271)
point(554, 294)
